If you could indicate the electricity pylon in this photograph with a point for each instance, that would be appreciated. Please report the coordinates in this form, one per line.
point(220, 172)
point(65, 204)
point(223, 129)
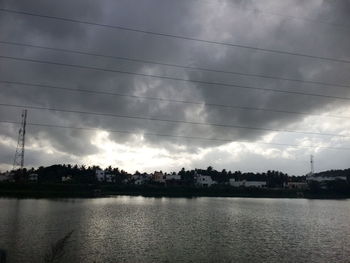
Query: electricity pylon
point(19, 155)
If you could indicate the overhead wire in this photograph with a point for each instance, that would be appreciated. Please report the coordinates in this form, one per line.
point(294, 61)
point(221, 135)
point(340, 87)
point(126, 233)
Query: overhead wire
point(169, 120)
point(65, 50)
point(220, 84)
point(174, 36)
point(176, 136)
point(172, 78)
point(108, 93)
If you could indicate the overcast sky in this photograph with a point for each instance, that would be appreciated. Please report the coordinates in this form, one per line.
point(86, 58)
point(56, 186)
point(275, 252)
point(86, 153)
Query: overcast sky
point(313, 27)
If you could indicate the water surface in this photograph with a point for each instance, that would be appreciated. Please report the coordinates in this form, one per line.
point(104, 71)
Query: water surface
point(138, 229)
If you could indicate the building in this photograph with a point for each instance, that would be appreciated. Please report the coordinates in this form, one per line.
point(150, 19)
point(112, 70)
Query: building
point(245, 183)
point(139, 179)
point(109, 178)
point(143, 179)
point(235, 183)
point(159, 177)
point(135, 177)
point(100, 175)
point(204, 181)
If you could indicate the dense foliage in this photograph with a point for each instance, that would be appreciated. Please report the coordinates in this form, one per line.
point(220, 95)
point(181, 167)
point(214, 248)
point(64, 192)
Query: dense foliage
point(86, 175)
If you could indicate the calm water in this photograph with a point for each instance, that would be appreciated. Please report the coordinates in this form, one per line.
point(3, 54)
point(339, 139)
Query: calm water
point(137, 229)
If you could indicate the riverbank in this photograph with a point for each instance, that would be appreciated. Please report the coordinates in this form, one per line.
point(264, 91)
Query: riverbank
point(88, 191)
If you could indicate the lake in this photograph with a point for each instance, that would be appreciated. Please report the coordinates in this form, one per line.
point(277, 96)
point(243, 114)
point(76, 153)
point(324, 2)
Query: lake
point(138, 229)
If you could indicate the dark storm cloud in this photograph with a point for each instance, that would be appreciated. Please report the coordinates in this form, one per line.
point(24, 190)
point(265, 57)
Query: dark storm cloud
point(229, 23)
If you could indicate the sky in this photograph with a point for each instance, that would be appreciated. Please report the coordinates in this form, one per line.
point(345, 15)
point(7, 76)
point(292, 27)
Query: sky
point(150, 116)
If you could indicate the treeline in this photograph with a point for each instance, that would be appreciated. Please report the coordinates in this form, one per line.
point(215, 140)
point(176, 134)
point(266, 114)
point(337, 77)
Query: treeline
point(84, 183)
point(271, 177)
point(86, 175)
point(334, 173)
point(79, 174)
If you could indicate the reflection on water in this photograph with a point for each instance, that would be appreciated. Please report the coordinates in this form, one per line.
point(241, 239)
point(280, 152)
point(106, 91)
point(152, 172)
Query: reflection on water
point(138, 229)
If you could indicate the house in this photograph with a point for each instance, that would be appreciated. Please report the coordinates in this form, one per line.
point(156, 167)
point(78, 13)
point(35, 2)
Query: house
point(143, 179)
point(135, 177)
point(100, 175)
point(33, 177)
point(109, 178)
point(235, 183)
point(158, 177)
point(245, 183)
point(204, 181)
point(139, 181)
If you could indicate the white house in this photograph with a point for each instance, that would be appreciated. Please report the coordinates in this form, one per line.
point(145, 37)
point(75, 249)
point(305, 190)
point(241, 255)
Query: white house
point(139, 179)
point(109, 178)
point(245, 183)
point(100, 175)
point(204, 180)
point(135, 177)
point(235, 183)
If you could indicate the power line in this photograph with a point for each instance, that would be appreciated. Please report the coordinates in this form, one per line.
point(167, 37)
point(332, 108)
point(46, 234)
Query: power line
point(169, 120)
point(175, 136)
point(171, 78)
point(168, 100)
point(174, 65)
point(159, 34)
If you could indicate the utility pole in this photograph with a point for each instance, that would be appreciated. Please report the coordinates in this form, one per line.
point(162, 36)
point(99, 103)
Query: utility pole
point(19, 155)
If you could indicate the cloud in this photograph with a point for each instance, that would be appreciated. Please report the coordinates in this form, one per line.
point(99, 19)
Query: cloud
point(231, 22)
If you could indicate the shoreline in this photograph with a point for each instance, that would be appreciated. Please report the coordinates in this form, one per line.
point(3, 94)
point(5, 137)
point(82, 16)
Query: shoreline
point(99, 191)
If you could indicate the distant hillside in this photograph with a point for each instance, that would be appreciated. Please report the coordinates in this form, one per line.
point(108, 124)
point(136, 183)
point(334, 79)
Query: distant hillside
point(334, 173)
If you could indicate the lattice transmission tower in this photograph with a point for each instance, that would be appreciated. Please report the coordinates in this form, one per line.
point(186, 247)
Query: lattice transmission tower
point(19, 155)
